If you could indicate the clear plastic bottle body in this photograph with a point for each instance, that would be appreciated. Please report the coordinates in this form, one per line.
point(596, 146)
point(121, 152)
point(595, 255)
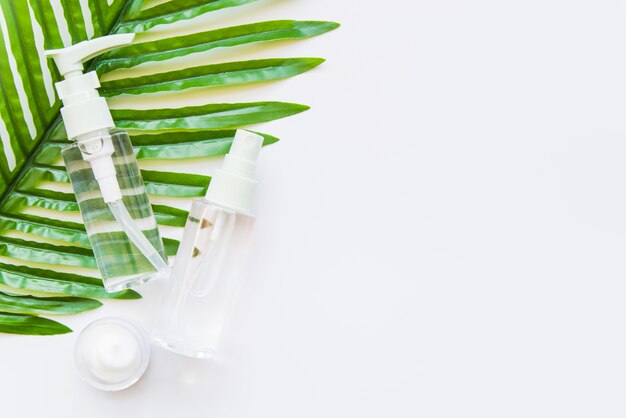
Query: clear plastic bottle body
point(205, 279)
point(121, 264)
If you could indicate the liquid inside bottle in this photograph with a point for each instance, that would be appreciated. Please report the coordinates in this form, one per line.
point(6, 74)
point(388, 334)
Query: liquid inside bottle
point(121, 264)
point(204, 280)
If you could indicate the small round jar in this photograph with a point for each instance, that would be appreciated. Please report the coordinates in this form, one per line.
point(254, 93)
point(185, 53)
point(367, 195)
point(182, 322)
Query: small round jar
point(112, 354)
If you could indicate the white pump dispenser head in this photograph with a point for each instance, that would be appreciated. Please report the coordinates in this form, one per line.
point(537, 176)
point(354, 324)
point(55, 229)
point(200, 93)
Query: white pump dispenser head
point(86, 115)
point(233, 185)
point(84, 111)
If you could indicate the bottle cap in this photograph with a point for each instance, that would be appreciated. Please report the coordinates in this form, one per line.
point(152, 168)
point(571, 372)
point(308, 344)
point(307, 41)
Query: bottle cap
point(233, 186)
point(112, 354)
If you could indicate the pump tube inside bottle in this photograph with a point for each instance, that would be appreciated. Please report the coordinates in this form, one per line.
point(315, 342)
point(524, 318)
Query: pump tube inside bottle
point(123, 218)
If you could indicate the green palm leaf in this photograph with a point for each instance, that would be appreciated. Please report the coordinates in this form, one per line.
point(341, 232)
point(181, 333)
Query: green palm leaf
point(48, 305)
point(230, 73)
point(14, 323)
point(46, 263)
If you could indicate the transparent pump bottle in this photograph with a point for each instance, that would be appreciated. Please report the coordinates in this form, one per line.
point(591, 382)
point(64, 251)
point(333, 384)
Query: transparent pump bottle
point(206, 273)
point(104, 174)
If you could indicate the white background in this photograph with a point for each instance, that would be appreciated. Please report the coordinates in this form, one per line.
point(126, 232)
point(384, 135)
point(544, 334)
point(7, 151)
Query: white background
point(441, 235)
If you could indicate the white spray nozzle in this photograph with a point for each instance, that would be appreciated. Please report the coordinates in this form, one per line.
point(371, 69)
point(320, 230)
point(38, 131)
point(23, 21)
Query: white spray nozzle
point(246, 145)
point(243, 154)
point(70, 60)
point(233, 185)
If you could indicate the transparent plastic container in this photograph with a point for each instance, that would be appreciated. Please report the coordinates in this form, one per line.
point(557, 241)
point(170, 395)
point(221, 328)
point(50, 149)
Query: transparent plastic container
point(121, 263)
point(112, 354)
point(205, 279)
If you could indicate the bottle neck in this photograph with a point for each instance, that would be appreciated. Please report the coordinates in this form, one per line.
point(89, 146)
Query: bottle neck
point(98, 133)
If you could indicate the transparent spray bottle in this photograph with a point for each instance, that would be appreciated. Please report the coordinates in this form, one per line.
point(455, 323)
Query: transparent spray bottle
point(205, 276)
point(104, 173)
